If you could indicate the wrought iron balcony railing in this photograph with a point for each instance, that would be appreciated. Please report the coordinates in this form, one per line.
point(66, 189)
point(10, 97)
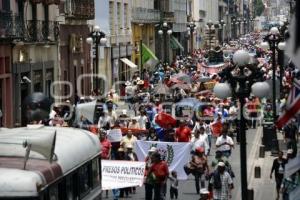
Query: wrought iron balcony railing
point(80, 9)
point(11, 26)
point(41, 31)
point(145, 15)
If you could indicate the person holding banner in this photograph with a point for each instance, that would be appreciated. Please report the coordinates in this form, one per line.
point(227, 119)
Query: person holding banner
point(149, 177)
point(198, 166)
point(160, 170)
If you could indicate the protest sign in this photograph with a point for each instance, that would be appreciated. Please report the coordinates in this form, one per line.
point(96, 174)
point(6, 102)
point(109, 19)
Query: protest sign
point(114, 135)
point(121, 174)
point(176, 154)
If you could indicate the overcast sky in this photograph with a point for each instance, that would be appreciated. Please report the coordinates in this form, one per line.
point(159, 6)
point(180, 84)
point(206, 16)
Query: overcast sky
point(102, 14)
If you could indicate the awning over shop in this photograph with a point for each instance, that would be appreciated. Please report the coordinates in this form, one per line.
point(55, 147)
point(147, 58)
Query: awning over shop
point(175, 44)
point(128, 62)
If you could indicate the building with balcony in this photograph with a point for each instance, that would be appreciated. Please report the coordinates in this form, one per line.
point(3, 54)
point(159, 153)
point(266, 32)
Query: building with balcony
point(28, 54)
point(74, 51)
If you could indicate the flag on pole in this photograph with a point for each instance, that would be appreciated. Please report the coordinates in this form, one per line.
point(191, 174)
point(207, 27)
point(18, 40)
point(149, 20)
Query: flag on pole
point(292, 105)
point(147, 55)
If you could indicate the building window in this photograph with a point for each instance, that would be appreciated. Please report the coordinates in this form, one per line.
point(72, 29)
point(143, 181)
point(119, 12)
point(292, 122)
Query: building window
point(119, 16)
point(76, 43)
point(6, 5)
point(126, 20)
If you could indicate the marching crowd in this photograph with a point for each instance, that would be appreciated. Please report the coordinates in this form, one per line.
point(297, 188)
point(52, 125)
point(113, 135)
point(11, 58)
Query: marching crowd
point(149, 93)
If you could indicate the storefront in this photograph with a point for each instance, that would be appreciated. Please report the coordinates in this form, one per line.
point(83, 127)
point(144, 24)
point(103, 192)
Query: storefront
point(6, 86)
point(29, 78)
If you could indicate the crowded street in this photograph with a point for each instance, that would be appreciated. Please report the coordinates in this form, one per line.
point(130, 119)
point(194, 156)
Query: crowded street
point(149, 99)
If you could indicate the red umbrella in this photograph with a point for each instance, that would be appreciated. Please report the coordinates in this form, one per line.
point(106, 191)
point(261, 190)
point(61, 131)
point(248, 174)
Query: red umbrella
point(164, 120)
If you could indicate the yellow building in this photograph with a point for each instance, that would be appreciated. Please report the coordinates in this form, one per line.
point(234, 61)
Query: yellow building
point(142, 33)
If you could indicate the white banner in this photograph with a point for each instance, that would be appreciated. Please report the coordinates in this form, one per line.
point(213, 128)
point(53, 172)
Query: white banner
point(114, 135)
point(121, 174)
point(176, 154)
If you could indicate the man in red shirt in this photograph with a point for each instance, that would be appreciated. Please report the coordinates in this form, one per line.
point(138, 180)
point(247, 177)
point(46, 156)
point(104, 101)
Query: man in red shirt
point(160, 171)
point(183, 132)
point(105, 145)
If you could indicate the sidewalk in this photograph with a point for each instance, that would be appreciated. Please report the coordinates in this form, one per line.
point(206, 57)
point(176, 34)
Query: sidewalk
point(264, 187)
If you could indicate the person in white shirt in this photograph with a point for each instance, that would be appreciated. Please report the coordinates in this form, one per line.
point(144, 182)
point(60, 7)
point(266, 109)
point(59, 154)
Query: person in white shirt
point(199, 141)
point(199, 123)
point(224, 142)
point(142, 120)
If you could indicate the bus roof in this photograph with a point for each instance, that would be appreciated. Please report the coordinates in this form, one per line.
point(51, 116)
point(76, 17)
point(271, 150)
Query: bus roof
point(73, 148)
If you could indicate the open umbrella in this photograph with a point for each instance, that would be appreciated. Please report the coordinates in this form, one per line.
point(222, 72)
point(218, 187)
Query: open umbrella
point(181, 86)
point(181, 77)
point(204, 93)
point(164, 120)
point(161, 89)
point(203, 79)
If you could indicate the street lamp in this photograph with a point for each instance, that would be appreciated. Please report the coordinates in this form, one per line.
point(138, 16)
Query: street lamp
point(274, 41)
point(245, 24)
point(210, 27)
point(97, 37)
point(222, 27)
point(190, 29)
point(241, 80)
point(233, 23)
point(239, 22)
point(165, 30)
point(252, 24)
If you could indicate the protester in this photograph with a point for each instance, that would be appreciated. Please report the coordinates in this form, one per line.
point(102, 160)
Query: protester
point(221, 183)
point(160, 170)
point(278, 167)
point(224, 142)
point(128, 139)
point(149, 176)
point(183, 132)
point(105, 145)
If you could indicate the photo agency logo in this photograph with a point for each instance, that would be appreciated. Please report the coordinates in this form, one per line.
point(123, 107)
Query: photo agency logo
point(63, 91)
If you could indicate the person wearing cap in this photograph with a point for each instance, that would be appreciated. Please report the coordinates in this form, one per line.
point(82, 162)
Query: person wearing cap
point(160, 171)
point(278, 167)
point(149, 178)
point(198, 166)
point(134, 123)
point(204, 194)
point(221, 183)
point(130, 155)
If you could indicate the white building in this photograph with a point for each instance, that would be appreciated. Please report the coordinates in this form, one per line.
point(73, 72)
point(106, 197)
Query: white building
point(114, 18)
